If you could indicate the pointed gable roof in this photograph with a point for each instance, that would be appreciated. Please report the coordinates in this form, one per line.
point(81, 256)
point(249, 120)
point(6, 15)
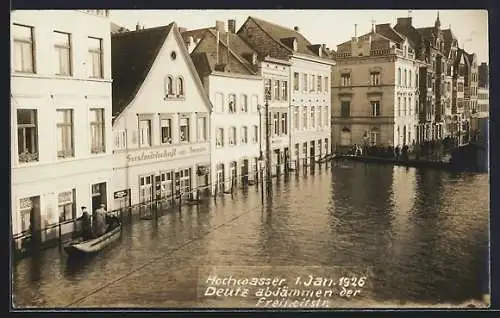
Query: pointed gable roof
point(133, 54)
point(280, 37)
point(449, 38)
point(204, 55)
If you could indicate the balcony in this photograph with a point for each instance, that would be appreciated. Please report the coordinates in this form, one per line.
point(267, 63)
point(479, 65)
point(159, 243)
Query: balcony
point(97, 149)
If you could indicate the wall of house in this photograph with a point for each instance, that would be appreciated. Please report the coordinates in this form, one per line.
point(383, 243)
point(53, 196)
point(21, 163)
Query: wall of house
point(132, 161)
point(306, 99)
point(45, 92)
point(221, 87)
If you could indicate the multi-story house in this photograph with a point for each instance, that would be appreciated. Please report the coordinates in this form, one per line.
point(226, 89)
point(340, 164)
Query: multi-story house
point(161, 118)
point(228, 70)
point(375, 91)
point(61, 118)
point(308, 96)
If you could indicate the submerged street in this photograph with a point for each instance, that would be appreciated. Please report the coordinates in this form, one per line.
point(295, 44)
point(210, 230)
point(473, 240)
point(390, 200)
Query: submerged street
point(422, 234)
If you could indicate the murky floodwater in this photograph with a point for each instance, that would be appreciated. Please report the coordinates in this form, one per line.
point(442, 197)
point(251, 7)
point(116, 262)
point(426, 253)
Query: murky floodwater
point(422, 236)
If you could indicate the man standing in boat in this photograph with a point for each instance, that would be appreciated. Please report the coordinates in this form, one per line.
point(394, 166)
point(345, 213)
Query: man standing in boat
point(100, 221)
point(86, 224)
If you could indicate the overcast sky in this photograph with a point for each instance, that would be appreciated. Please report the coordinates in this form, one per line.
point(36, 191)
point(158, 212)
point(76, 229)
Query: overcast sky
point(330, 27)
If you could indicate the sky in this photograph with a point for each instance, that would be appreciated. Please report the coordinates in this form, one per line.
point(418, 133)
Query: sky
point(330, 27)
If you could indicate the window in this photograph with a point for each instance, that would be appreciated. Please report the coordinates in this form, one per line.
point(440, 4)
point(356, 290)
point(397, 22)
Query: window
point(320, 83)
point(267, 87)
point(398, 107)
point(326, 145)
point(145, 133)
point(180, 86)
point(166, 130)
point(313, 83)
point(219, 103)
point(232, 136)
point(244, 135)
point(373, 137)
point(375, 78)
point(202, 128)
point(296, 113)
point(399, 77)
point(26, 206)
point(284, 123)
point(97, 131)
point(255, 103)
point(95, 58)
point(304, 117)
point(284, 90)
point(276, 124)
point(219, 141)
point(169, 86)
point(296, 81)
point(345, 137)
point(276, 92)
point(325, 117)
point(121, 139)
point(66, 205)
point(460, 87)
point(313, 117)
point(410, 78)
point(345, 108)
point(184, 130)
point(345, 79)
point(375, 108)
point(232, 103)
point(65, 133)
point(244, 103)
point(406, 74)
point(326, 84)
point(23, 49)
point(27, 135)
point(404, 106)
point(62, 48)
point(320, 116)
point(304, 82)
point(255, 136)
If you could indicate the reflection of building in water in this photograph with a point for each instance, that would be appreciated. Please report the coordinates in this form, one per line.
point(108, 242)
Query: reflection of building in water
point(160, 117)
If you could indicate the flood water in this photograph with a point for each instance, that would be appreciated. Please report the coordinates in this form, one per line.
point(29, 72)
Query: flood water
point(422, 235)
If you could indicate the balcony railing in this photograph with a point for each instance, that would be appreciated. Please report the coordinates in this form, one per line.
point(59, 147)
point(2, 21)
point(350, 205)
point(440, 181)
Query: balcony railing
point(28, 157)
point(98, 149)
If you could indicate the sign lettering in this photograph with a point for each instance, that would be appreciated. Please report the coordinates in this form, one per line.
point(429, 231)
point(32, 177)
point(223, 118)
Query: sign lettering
point(167, 154)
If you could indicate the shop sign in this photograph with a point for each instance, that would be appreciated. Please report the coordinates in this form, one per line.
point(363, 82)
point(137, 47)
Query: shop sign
point(171, 153)
point(120, 194)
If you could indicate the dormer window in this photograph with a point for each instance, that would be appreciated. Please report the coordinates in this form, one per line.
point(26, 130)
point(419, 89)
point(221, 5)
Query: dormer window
point(294, 44)
point(254, 58)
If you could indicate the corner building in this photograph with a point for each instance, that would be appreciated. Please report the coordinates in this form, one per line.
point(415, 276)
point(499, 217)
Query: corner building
point(60, 117)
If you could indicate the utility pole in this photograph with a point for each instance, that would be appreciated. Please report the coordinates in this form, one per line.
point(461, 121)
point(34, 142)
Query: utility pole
point(268, 146)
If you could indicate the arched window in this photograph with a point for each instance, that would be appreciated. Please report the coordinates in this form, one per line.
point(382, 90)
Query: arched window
point(180, 86)
point(169, 85)
point(345, 137)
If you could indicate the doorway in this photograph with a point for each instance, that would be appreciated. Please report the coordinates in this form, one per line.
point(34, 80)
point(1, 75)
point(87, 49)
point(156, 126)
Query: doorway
point(99, 195)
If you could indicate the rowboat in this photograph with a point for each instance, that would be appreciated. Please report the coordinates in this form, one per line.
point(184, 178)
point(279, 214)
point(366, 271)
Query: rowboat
point(94, 245)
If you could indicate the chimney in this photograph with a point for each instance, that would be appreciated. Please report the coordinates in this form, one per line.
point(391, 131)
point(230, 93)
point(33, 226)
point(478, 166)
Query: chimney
point(231, 26)
point(182, 30)
point(296, 29)
point(137, 26)
point(220, 26)
point(404, 21)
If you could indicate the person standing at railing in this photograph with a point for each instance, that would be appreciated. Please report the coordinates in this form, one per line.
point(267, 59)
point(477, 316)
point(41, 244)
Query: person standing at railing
point(86, 224)
point(100, 221)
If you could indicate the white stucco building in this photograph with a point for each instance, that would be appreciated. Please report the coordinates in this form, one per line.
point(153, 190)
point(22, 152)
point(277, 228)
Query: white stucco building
point(160, 118)
point(228, 70)
point(60, 117)
point(308, 89)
